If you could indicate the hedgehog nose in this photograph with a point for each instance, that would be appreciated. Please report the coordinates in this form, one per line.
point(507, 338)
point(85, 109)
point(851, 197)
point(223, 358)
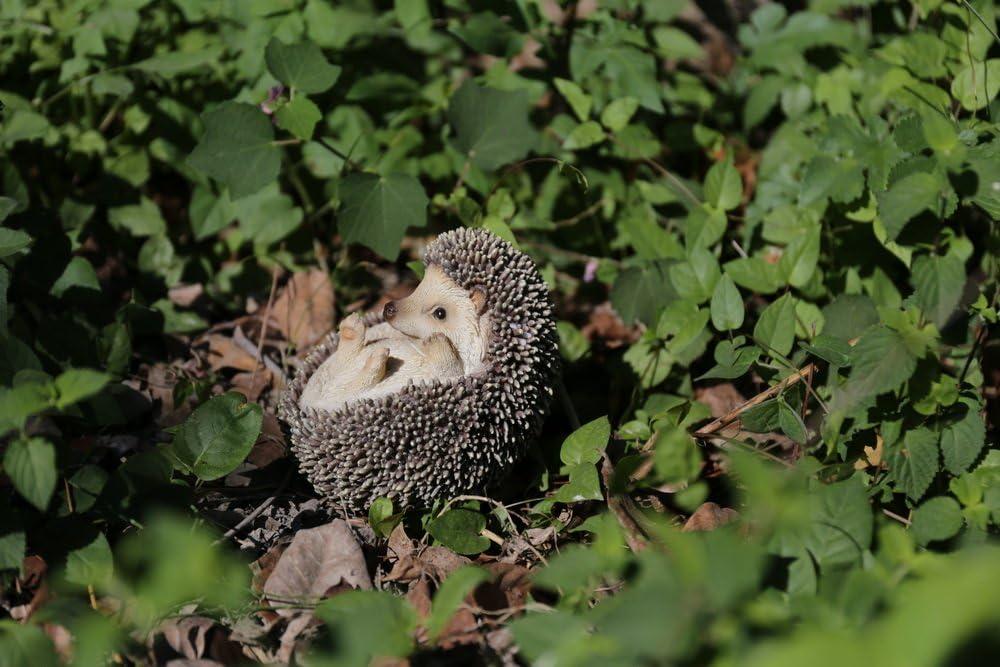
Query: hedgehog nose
point(389, 311)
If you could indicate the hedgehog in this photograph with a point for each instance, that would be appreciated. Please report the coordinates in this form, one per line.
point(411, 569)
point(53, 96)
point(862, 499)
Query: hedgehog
point(447, 436)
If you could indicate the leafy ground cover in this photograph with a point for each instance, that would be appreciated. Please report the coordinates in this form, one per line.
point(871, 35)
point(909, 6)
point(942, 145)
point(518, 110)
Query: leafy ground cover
point(770, 232)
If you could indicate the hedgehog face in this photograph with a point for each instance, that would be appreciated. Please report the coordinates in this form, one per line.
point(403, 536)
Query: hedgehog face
point(440, 306)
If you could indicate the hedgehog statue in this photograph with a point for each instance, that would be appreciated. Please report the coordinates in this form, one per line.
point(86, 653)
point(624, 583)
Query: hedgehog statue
point(457, 433)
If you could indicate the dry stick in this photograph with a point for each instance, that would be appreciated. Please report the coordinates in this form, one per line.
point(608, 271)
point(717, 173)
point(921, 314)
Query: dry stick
point(734, 414)
point(263, 327)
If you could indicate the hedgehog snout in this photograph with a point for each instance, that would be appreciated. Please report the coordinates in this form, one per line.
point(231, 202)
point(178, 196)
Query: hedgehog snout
point(389, 311)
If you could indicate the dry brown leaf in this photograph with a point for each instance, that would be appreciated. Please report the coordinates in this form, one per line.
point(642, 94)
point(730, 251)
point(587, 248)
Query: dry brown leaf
point(721, 399)
point(605, 324)
point(252, 385)
point(303, 312)
point(223, 352)
point(317, 561)
point(271, 445)
point(710, 516)
point(185, 295)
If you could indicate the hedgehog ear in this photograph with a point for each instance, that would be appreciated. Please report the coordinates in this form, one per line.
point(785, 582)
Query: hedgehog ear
point(479, 299)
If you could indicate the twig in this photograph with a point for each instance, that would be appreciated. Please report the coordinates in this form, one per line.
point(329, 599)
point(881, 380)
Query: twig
point(257, 510)
point(893, 515)
point(634, 536)
point(263, 326)
point(734, 414)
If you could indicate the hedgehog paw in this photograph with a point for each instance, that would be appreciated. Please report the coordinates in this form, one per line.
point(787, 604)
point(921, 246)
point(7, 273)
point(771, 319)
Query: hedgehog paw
point(373, 370)
point(352, 336)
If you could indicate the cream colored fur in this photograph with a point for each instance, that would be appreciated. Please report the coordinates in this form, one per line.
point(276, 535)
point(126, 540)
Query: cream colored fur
point(416, 346)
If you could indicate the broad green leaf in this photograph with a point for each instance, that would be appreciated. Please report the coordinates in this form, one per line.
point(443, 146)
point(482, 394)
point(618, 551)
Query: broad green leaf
point(938, 282)
point(572, 343)
point(618, 113)
point(301, 66)
point(369, 625)
point(76, 384)
point(177, 62)
point(775, 329)
point(763, 418)
point(839, 179)
point(723, 185)
point(7, 206)
point(586, 444)
point(695, 278)
point(299, 117)
point(377, 210)
point(450, 595)
point(755, 274)
point(639, 293)
point(841, 523)
point(142, 219)
point(579, 101)
point(31, 466)
point(491, 126)
point(583, 485)
point(798, 261)
point(848, 316)
point(791, 423)
point(91, 565)
point(12, 241)
point(962, 440)
point(487, 33)
point(79, 274)
point(676, 457)
point(906, 198)
point(977, 85)
point(727, 305)
point(584, 135)
point(459, 530)
point(914, 462)
point(217, 436)
point(237, 149)
point(938, 518)
point(880, 362)
point(12, 550)
point(830, 349)
point(381, 517)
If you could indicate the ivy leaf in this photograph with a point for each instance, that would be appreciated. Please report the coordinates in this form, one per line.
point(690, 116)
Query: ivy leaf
point(963, 439)
point(586, 444)
point(459, 530)
point(31, 466)
point(914, 462)
point(301, 66)
point(491, 126)
point(237, 149)
point(776, 327)
point(937, 282)
point(723, 186)
point(938, 518)
point(727, 305)
point(377, 210)
point(299, 117)
point(217, 436)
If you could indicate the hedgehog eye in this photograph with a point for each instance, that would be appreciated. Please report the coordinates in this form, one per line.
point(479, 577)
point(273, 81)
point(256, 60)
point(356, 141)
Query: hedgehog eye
point(440, 313)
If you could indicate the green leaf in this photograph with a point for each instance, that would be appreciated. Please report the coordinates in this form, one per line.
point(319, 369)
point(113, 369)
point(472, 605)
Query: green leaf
point(723, 185)
point(572, 343)
point(938, 282)
point(618, 113)
point(579, 101)
point(881, 362)
point(381, 517)
point(142, 219)
point(906, 198)
point(583, 485)
point(963, 439)
point(798, 261)
point(639, 293)
point(217, 436)
point(586, 444)
point(676, 457)
point(791, 423)
point(938, 518)
point(839, 179)
point(754, 274)
point(31, 465)
point(727, 305)
point(12, 548)
point(369, 625)
point(841, 523)
point(79, 274)
point(299, 117)
point(459, 530)
point(12, 241)
point(491, 126)
point(763, 418)
point(377, 210)
point(914, 462)
point(177, 62)
point(450, 595)
point(830, 349)
point(584, 135)
point(977, 85)
point(848, 316)
point(301, 66)
point(237, 149)
point(695, 279)
point(91, 565)
point(77, 384)
point(775, 329)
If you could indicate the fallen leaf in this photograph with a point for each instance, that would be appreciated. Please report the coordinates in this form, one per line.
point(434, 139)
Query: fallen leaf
point(709, 516)
point(223, 352)
point(252, 385)
point(271, 445)
point(604, 324)
point(720, 398)
point(185, 295)
point(303, 312)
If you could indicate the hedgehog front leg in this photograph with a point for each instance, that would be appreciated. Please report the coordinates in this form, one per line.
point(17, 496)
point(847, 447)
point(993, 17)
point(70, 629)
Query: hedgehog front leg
point(440, 359)
point(352, 340)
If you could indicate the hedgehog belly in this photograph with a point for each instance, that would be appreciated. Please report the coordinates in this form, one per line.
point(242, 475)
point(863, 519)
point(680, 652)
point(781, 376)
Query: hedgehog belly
point(446, 437)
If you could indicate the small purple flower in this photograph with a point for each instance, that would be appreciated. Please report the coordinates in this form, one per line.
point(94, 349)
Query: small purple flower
point(590, 271)
point(273, 94)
